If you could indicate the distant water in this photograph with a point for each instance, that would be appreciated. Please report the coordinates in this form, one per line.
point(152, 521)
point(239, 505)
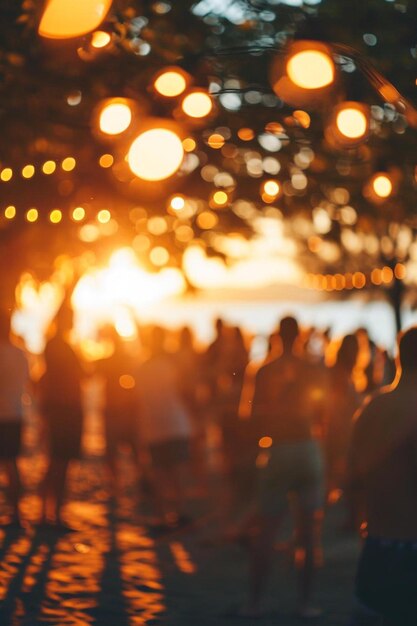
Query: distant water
point(260, 317)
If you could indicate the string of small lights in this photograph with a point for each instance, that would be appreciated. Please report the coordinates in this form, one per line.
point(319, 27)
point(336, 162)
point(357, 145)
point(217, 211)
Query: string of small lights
point(356, 280)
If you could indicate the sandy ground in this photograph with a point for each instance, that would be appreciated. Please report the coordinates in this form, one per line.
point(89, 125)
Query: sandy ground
point(111, 572)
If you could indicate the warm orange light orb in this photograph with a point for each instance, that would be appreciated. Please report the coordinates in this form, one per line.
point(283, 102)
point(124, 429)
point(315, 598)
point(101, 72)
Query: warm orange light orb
point(55, 216)
point(63, 19)
point(177, 203)
point(352, 123)
point(170, 84)
point(271, 188)
point(100, 39)
point(155, 154)
point(78, 214)
point(382, 186)
point(115, 118)
point(197, 104)
point(311, 69)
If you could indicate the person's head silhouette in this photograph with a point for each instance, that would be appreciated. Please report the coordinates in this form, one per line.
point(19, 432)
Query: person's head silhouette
point(407, 346)
point(288, 332)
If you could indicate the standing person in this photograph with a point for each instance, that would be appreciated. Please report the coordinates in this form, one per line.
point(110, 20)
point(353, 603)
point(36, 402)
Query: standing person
point(383, 466)
point(61, 405)
point(285, 410)
point(165, 426)
point(120, 409)
point(14, 378)
point(342, 402)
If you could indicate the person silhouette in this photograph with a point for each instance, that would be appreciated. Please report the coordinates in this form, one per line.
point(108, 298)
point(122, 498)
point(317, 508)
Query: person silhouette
point(285, 410)
point(61, 407)
point(383, 468)
point(14, 380)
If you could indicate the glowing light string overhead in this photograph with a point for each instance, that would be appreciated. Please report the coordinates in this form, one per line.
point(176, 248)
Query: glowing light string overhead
point(64, 19)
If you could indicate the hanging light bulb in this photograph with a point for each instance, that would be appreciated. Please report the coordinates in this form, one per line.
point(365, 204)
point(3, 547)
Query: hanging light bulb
point(349, 125)
point(305, 75)
point(156, 154)
point(197, 104)
point(115, 117)
point(382, 185)
point(171, 82)
point(63, 19)
point(310, 69)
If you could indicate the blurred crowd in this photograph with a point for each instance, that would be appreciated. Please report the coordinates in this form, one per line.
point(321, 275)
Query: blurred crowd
point(268, 435)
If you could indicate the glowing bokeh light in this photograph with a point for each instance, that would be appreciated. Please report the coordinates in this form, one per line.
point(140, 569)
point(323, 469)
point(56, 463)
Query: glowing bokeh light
point(63, 19)
point(28, 171)
point(155, 154)
point(49, 167)
point(32, 215)
point(177, 203)
point(6, 174)
point(78, 214)
point(68, 164)
point(382, 186)
point(115, 118)
point(55, 216)
point(352, 123)
point(106, 160)
point(310, 69)
point(170, 84)
point(100, 39)
point(197, 104)
point(271, 187)
point(104, 216)
point(10, 212)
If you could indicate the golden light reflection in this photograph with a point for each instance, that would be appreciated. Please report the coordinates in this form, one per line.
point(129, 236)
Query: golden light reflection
point(311, 69)
point(115, 118)
point(155, 154)
point(63, 19)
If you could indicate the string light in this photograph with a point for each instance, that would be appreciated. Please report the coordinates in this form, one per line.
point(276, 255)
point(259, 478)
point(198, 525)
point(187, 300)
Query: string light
point(171, 82)
point(6, 174)
point(55, 216)
point(115, 117)
point(49, 167)
point(68, 164)
point(28, 171)
point(10, 212)
point(78, 214)
point(32, 215)
point(197, 104)
point(155, 154)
